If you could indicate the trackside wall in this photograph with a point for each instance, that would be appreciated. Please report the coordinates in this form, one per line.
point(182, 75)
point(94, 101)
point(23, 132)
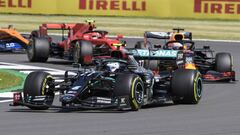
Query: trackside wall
point(200, 9)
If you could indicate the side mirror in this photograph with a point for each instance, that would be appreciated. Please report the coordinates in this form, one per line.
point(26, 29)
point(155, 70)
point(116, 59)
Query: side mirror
point(206, 47)
point(157, 46)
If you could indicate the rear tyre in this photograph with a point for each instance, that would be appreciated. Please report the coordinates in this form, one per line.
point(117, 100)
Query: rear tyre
point(133, 87)
point(38, 50)
point(83, 52)
point(223, 62)
point(187, 90)
point(39, 84)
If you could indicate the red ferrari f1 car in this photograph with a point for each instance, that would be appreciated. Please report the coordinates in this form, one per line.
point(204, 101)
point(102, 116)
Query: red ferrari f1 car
point(79, 42)
point(218, 68)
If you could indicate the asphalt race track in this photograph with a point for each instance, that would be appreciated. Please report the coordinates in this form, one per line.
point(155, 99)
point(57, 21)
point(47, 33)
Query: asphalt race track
point(218, 113)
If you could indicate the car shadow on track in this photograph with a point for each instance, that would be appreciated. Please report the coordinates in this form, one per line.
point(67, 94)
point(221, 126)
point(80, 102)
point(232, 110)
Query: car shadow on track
point(157, 105)
point(60, 62)
point(49, 62)
point(53, 110)
point(220, 82)
point(12, 53)
point(26, 110)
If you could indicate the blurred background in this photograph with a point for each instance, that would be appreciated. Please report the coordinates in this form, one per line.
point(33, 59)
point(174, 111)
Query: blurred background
point(207, 19)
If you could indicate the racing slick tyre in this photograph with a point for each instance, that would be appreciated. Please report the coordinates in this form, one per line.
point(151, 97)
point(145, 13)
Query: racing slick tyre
point(223, 62)
point(38, 50)
point(186, 86)
point(39, 84)
point(83, 52)
point(130, 85)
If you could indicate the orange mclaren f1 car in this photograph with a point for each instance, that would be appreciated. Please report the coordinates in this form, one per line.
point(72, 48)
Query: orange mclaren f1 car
point(12, 40)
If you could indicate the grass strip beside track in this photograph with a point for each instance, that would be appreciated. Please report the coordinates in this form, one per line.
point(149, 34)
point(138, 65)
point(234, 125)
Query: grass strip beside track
point(202, 29)
point(11, 80)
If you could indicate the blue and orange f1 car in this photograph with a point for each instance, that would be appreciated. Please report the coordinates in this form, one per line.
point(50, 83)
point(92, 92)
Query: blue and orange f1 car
point(11, 40)
point(212, 68)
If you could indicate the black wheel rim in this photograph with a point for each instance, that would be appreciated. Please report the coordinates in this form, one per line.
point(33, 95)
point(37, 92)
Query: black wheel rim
point(199, 88)
point(77, 53)
point(48, 90)
point(139, 93)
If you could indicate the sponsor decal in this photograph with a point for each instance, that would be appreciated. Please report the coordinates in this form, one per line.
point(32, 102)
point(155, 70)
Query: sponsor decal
point(123, 5)
point(13, 45)
point(180, 62)
point(71, 92)
point(217, 6)
point(222, 9)
point(104, 100)
point(189, 60)
point(10, 45)
point(166, 53)
point(76, 87)
point(159, 53)
point(180, 56)
point(16, 3)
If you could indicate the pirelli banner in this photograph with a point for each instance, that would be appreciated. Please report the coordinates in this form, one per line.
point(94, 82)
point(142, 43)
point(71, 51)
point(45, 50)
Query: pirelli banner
point(203, 9)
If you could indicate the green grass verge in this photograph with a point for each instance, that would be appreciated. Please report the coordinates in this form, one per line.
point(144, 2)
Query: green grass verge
point(11, 80)
point(207, 29)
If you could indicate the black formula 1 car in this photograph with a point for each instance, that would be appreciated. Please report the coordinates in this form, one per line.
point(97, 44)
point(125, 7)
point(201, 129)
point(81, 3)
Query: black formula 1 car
point(114, 84)
point(213, 68)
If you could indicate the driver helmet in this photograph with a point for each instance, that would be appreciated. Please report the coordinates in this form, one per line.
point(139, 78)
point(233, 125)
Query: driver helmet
point(112, 67)
point(175, 46)
point(96, 35)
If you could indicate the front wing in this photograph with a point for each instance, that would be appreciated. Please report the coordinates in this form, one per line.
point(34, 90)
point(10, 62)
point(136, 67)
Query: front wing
point(93, 103)
point(219, 76)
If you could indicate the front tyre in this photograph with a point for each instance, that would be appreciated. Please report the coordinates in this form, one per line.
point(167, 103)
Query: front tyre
point(132, 86)
point(39, 84)
point(136, 95)
point(187, 90)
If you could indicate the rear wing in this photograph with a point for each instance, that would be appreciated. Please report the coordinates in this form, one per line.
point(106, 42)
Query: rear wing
point(67, 26)
point(167, 35)
point(62, 26)
point(157, 35)
point(71, 27)
point(144, 54)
